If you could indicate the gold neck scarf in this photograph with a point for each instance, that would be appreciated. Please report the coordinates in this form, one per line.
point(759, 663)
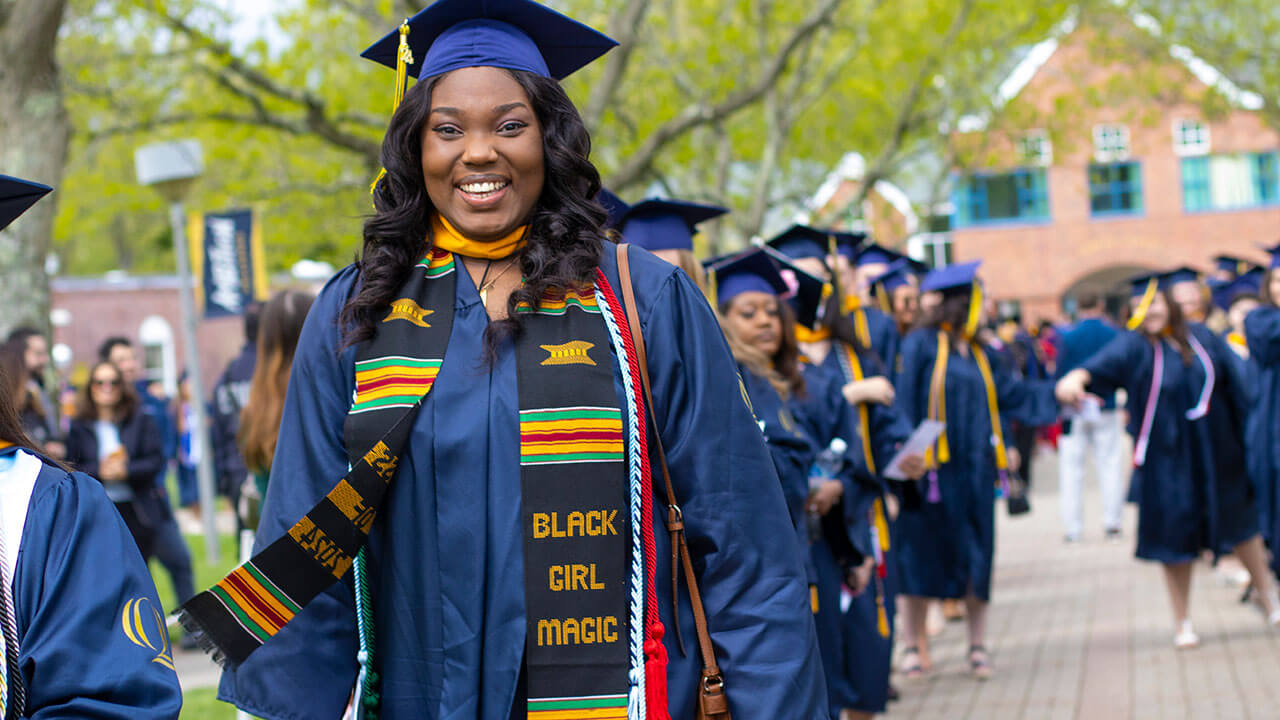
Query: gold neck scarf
point(446, 237)
point(805, 335)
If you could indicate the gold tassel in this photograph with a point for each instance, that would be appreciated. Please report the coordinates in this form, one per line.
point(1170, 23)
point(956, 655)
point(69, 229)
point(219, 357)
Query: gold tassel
point(975, 311)
point(1148, 297)
point(404, 58)
point(882, 617)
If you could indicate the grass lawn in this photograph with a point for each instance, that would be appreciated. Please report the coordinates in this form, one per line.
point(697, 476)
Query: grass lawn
point(202, 704)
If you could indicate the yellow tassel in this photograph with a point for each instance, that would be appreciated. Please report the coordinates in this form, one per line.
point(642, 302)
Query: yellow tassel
point(885, 305)
point(938, 403)
point(1148, 297)
point(993, 408)
point(975, 311)
point(882, 524)
point(404, 58)
point(882, 617)
point(813, 598)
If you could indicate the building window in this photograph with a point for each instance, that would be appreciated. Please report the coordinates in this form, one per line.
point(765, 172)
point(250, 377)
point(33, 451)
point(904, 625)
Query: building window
point(1115, 189)
point(1230, 182)
point(1037, 150)
point(159, 355)
point(1190, 138)
point(931, 248)
point(1110, 143)
point(1021, 195)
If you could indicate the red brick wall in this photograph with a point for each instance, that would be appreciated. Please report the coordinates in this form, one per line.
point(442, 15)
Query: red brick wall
point(99, 313)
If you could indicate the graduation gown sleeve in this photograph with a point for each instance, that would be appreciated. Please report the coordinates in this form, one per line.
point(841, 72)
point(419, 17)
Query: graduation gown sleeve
point(753, 587)
point(93, 642)
point(1030, 402)
point(309, 668)
point(1262, 332)
point(1116, 365)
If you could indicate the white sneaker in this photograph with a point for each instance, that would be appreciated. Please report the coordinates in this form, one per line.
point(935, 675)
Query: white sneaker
point(1186, 639)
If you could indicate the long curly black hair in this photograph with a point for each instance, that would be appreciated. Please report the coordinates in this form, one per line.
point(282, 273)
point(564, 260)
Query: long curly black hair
point(565, 234)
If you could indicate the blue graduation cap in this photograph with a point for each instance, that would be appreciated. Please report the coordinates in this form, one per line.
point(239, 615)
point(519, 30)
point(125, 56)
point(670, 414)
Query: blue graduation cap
point(615, 206)
point(1274, 252)
point(1179, 275)
point(799, 242)
point(749, 271)
point(17, 196)
point(511, 34)
point(951, 277)
point(1138, 284)
point(665, 224)
point(898, 275)
point(1226, 293)
point(876, 254)
point(1236, 266)
point(804, 291)
point(848, 244)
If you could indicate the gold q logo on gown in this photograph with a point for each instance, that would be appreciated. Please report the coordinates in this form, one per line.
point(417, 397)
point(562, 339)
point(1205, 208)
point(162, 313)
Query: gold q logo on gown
point(145, 627)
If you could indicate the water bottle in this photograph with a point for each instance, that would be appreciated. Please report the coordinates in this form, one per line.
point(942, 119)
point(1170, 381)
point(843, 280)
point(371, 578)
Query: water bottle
point(825, 467)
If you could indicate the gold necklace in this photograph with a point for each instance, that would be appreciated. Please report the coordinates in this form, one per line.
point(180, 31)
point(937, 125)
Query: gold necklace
point(486, 286)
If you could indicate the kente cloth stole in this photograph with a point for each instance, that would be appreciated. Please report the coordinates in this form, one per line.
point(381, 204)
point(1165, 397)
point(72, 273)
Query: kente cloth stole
point(851, 368)
point(580, 593)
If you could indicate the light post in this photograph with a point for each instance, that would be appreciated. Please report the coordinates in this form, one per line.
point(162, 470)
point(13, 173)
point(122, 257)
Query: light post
point(171, 168)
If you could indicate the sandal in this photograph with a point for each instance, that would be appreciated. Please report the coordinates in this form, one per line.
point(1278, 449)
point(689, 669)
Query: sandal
point(909, 665)
point(979, 662)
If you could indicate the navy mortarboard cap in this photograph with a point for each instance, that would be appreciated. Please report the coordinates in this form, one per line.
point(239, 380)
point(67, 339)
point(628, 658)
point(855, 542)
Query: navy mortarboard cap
point(804, 291)
point(1236, 266)
point(1138, 283)
point(16, 196)
point(898, 274)
point(801, 241)
point(1179, 275)
point(874, 254)
point(748, 271)
point(848, 243)
point(511, 34)
point(1274, 251)
point(1226, 293)
point(951, 277)
point(613, 205)
point(665, 224)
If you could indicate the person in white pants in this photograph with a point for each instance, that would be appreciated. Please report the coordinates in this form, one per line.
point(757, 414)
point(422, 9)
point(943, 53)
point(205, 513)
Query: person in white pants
point(1093, 434)
point(1095, 431)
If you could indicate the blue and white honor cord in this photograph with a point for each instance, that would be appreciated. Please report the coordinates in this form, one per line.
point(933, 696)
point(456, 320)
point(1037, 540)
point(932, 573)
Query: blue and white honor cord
point(636, 696)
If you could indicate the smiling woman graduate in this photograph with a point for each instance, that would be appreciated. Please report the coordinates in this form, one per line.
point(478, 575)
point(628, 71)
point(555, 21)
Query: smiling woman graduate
point(83, 631)
point(516, 565)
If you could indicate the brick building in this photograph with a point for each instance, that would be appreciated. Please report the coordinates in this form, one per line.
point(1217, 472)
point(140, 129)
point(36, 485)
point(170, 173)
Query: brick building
point(1113, 153)
point(145, 309)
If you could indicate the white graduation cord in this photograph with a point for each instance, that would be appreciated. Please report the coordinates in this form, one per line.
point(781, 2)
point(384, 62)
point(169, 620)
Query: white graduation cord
point(14, 700)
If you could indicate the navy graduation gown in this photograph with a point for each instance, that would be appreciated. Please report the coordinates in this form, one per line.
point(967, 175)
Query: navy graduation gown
point(1262, 332)
point(946, 549)
point(855, 657)
point(793, 453)
point(1193, 490)
point(78, 580)
point(446, 554)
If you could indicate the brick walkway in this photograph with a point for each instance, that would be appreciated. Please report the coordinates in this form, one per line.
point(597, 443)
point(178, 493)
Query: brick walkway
point(1084, 632)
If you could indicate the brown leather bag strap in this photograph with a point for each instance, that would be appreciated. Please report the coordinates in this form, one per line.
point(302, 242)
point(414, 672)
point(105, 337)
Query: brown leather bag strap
point(712, 679)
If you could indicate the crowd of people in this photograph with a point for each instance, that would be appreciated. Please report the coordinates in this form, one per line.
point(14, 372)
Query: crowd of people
point(531, 457)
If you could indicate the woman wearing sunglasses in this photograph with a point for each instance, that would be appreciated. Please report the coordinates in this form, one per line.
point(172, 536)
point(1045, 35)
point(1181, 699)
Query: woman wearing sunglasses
point(112, 440)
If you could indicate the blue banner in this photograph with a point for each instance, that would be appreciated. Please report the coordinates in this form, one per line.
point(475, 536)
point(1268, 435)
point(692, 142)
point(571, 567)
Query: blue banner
point(228, 266)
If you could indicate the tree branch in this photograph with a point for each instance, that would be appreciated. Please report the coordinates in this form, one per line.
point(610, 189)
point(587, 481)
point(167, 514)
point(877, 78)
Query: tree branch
point(702, 114)
point(624, 26)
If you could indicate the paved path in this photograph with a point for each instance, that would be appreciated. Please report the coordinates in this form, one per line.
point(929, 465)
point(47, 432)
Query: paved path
point(1084, 632)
